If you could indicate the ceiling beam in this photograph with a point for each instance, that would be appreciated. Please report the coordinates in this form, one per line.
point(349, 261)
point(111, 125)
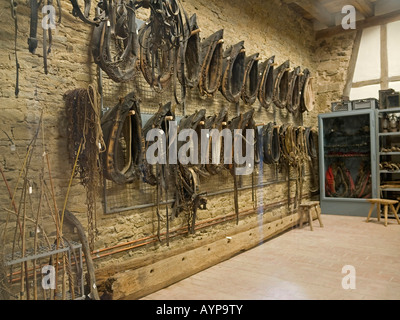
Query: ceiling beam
point(368, 22)
point(334, 6)
point(365, 7)
point(316, 10)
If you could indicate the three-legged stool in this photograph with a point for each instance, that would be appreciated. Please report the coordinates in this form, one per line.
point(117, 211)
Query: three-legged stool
point(305, 210)
point(386, 203)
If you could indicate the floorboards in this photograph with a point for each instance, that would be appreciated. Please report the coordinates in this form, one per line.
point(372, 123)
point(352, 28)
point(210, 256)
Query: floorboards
point(302, 264)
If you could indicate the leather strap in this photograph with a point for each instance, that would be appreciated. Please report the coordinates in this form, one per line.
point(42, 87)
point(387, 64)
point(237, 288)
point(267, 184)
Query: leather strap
point(45, 50)
point(195, 183)
point(14, 5)
point(32, 40)
point(48, 37)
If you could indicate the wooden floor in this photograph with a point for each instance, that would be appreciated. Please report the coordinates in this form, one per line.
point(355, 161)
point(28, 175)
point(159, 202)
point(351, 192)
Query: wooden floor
point(304, 264)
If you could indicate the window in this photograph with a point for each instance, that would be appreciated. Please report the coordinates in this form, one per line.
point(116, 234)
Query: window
point(393, 49)
point(368, 65)
point(378, 62)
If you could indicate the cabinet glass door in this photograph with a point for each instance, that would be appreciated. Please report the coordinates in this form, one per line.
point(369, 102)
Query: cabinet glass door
point(347, 156)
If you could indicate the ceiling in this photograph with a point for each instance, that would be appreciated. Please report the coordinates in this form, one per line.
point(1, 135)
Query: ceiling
point(328, 13)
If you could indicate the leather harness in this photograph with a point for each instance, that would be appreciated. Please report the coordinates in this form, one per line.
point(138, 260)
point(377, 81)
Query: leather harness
point(162, 40)
point(311, 139)
point(242, 121)
point(211, 55)
point(233, 69)
point(168, 46)
point(281, 85)
point(293, 97)
point(340, 183)
point(291, 156)
point(189, 69)
point(118, 30)
point(122, 131)
point(156, 60)
point(216, 122)
point(188, 196)
point(159, 45)
point(157, 121)
point(251, 79)
point(266, 83)
point(270, 143)
point(84, 15)
point(163, 171)
point(307, 94)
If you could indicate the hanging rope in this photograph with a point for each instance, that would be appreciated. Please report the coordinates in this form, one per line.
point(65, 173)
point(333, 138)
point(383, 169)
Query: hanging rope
point(85, 143)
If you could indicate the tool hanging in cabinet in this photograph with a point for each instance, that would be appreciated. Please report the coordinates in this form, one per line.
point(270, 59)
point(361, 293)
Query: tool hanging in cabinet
point(340, 183)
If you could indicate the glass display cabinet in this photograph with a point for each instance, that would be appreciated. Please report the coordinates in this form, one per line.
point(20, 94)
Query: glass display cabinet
point(347, 162)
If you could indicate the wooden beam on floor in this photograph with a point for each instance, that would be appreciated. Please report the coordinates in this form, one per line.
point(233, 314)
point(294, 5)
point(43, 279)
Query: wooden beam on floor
point(136, 283)
point(305, 265)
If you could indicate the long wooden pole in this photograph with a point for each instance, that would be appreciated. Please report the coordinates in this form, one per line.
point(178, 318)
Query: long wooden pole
point(36, 239)
point(56, 219)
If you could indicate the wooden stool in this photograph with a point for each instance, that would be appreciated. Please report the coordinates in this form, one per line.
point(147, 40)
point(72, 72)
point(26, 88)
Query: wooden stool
point(305, 208)
point(398, 205)
point(386, 203)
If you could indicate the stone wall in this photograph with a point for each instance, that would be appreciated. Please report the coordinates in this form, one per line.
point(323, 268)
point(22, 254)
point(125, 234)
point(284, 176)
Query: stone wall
point(69, 66)
point(127, 240)
point(332, 57)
